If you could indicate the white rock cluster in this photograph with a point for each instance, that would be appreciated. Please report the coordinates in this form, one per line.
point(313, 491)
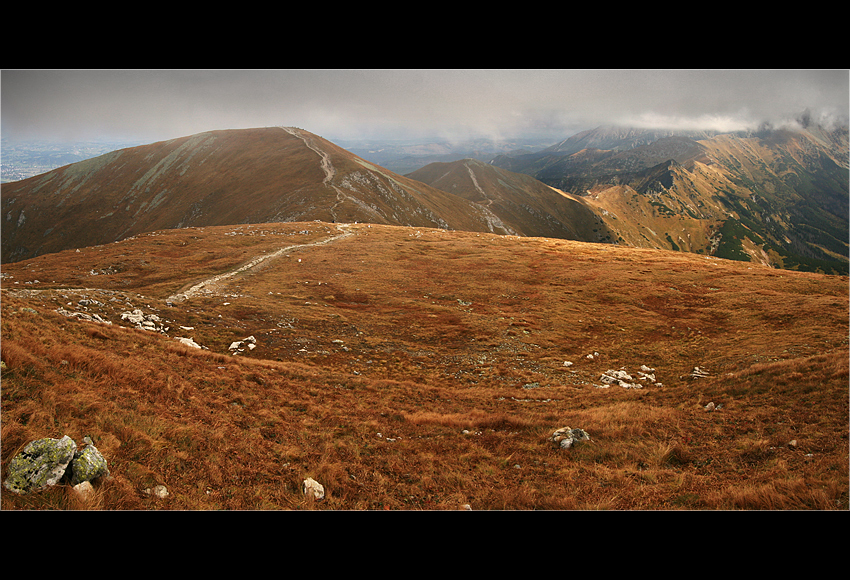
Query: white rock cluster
point(83, 316)
point(143, 321)
point(240, 345)
point(624, 379)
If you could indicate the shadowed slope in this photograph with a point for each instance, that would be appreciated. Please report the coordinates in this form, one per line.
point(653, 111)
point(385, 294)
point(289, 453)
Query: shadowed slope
point(521, 202)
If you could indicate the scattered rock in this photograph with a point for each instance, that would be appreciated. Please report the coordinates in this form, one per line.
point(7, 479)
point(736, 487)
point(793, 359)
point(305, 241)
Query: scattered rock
point(311, 486)
point(710, 407)
point(621, 378)
point(189, 342)
point(40, 464)
point(565, 437)
point(568, 363)
point(160, 491)
point(699, 373)
point(240, 345)
point(143, 321)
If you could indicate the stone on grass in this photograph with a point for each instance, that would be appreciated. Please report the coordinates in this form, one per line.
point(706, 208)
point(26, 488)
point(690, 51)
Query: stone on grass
point(190, 342)
point(159, 491)
point(311, 486)
point(40, 464)
point(566, 437)
point(84, 489)
point(88, 464)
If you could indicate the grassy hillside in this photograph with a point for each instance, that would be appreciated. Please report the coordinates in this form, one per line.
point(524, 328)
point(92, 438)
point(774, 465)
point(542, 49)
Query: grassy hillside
point(420, 369)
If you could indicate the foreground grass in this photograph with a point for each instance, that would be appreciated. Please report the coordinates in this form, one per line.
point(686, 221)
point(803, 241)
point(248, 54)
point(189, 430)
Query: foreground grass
point(409, 372)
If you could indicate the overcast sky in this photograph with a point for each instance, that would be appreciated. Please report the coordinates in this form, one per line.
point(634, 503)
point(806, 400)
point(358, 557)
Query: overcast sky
point(153, 105)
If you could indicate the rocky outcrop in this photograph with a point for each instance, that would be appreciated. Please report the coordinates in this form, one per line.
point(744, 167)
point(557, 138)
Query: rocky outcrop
point(83, 316)
point(190, 342)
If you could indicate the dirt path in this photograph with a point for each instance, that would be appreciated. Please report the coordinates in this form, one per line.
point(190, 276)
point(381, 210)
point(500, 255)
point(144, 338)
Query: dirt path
point(207, 286)
point(330, 173)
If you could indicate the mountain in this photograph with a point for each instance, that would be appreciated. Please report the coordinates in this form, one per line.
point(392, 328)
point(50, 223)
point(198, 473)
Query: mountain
point(521, 202)
point(220, 177)
point(777, 197)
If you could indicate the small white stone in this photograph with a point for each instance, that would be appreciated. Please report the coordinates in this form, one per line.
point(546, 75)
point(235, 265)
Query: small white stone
point(159, 491)
point(314, 487)
point(84, 489)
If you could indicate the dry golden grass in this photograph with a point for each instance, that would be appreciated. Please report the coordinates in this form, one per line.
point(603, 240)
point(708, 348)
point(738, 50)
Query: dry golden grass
point(415, 369)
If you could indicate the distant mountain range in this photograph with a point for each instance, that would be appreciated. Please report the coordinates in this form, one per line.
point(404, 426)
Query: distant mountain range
point(778, 197)
point(775, 197)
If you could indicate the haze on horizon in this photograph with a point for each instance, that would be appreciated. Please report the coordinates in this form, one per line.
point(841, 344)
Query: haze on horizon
point(444, 104)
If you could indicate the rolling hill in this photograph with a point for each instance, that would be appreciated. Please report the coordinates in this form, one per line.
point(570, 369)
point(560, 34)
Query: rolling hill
point(412, 368)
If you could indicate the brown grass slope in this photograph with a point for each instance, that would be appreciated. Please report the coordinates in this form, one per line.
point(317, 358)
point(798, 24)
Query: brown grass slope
point(521, 202)
point(272, 174)
point(418, 369)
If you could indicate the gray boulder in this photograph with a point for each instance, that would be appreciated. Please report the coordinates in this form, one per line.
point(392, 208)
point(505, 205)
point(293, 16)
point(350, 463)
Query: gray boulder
point(40, 464)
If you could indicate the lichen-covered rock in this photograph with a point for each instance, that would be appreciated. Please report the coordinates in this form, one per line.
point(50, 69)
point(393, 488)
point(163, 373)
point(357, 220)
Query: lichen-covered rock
point(88, 464)
point(40, 464)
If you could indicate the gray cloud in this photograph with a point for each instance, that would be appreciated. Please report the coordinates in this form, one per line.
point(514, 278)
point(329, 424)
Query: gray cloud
point(344, 104)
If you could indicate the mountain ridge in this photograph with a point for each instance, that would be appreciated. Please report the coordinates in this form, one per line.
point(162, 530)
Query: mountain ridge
point(777, 197)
